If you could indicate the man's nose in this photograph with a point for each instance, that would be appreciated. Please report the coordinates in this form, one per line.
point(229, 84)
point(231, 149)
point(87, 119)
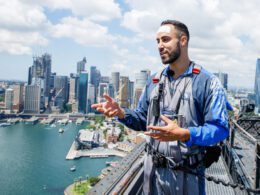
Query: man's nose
point(160, 46)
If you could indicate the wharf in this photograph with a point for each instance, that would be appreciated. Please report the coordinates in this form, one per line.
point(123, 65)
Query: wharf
point(48, 121)
point(13, 120)
point(79, 121)
point(72, 154)
point(32, 120)
point(93, 153)
point(64, 121)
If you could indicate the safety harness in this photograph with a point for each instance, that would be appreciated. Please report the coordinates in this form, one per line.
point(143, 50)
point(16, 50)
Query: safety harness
point(160, 159)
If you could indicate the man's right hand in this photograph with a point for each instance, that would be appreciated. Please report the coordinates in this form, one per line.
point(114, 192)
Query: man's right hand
point(110, 108)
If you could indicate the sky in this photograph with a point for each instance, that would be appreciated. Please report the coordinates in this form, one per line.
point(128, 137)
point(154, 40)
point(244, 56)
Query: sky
point(118, 35)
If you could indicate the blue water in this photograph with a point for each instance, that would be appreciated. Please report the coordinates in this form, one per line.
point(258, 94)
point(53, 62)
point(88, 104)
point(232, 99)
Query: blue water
point(32, 159)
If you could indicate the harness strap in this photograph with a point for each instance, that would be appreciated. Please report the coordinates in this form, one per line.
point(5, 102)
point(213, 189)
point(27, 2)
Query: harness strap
point(160, 160)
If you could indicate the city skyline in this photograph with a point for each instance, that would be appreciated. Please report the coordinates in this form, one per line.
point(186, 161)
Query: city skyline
point(118, 36)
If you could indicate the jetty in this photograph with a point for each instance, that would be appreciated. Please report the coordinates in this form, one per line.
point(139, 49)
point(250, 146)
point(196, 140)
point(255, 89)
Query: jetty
point(79, 121)
point(93, 153)
point(32, 120)
point(47, 121)
point(64, 121)
point(13, 120)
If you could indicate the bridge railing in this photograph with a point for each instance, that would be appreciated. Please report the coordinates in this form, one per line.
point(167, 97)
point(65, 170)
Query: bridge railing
point(241, 153)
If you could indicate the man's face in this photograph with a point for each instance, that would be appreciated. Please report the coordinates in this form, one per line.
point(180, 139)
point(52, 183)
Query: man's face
point(168, 44)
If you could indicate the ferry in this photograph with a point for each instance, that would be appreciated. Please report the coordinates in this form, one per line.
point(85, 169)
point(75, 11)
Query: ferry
point(112, 163)
point(73, 168)
point(61, 130)
point(5, 124)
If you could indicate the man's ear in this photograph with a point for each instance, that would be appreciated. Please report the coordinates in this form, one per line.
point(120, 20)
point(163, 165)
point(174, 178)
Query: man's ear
point(184, 41)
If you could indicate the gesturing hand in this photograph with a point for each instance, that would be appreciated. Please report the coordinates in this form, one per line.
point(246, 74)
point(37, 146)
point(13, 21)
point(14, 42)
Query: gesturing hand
point(170, 132)
point(110, 107)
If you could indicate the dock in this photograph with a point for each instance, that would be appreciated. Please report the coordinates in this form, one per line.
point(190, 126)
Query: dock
point(32, 120)
point(47, 121)
point(64, 121)
point(72, 154)
point(93, 153)
point(13, 120)
point(79, 121)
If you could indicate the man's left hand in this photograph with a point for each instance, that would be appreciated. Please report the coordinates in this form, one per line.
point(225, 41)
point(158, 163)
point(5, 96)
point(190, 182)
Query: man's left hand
point(170, 132)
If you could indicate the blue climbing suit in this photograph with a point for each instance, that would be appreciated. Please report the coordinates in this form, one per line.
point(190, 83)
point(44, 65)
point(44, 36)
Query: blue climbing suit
point(203, 103)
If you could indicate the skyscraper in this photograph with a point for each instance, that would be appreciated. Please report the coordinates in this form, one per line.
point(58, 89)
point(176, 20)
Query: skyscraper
point(123, 92)
point(141, 78)
point(102, 89)
point(111, 91)
point(95, 77)
point(61, 89)
point(140, 81)
point(131, 93)
point(18, 97)
point(83, 89)
point(40, 75)
point(74, 85)
point(115, 76)
point(257, 85)
point(81, 65)
point(32, 99)
point(9, 96)
point(91, 97)
point(223, 77)
point(104, 79)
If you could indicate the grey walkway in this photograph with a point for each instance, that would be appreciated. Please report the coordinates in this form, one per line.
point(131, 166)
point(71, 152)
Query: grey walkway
point(218, 170)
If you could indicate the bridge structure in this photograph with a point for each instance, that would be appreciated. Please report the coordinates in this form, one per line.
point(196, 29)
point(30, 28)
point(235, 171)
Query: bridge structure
point(239, 164)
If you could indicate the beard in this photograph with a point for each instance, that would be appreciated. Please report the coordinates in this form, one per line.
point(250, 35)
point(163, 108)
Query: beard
point(173, 55)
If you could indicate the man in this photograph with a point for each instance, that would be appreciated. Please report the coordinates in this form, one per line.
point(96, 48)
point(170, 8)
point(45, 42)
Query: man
point(183, 91)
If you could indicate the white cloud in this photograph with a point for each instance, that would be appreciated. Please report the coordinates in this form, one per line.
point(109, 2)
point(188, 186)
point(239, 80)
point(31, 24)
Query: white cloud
point(83, 32)
point(119, 67)
point(20, 27)
point(225, 35)
point(20, 43)
point(15, 15)
point(101, 10)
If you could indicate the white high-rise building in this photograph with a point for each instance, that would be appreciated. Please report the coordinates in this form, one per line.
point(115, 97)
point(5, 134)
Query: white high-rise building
point(32, 99)
point(140, 81)
point(9, 96)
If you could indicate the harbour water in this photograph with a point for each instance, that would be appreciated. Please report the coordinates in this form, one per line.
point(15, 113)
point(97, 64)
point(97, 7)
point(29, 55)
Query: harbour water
point(32, 159)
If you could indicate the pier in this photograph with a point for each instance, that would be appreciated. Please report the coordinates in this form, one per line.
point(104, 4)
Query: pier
point(64, 121)
point(47, 121)
point(72, 154)
point(93, 153)
point(13, 120)
point(32, 120)
point(79, 121)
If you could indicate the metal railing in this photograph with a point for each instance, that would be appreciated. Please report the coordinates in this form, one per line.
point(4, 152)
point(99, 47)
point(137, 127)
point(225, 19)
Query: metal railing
point(241, 153)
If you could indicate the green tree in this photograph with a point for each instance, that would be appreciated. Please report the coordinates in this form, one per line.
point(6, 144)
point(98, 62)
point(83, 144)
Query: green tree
point(93, 180)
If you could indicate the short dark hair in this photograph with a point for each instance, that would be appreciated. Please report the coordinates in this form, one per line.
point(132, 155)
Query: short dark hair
point(179, 26)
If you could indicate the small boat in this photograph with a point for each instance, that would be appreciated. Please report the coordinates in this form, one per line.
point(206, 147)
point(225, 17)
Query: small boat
point(5, 124)
point(61, 130)
point(112, 163)
point(73, 168)
point(53, 125)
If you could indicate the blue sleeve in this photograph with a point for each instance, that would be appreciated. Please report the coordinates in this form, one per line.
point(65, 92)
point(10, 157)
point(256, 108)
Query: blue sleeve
point(215, 127)
point(136, 119)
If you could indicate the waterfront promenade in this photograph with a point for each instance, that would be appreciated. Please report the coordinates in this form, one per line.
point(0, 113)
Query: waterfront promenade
point(93, 153)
